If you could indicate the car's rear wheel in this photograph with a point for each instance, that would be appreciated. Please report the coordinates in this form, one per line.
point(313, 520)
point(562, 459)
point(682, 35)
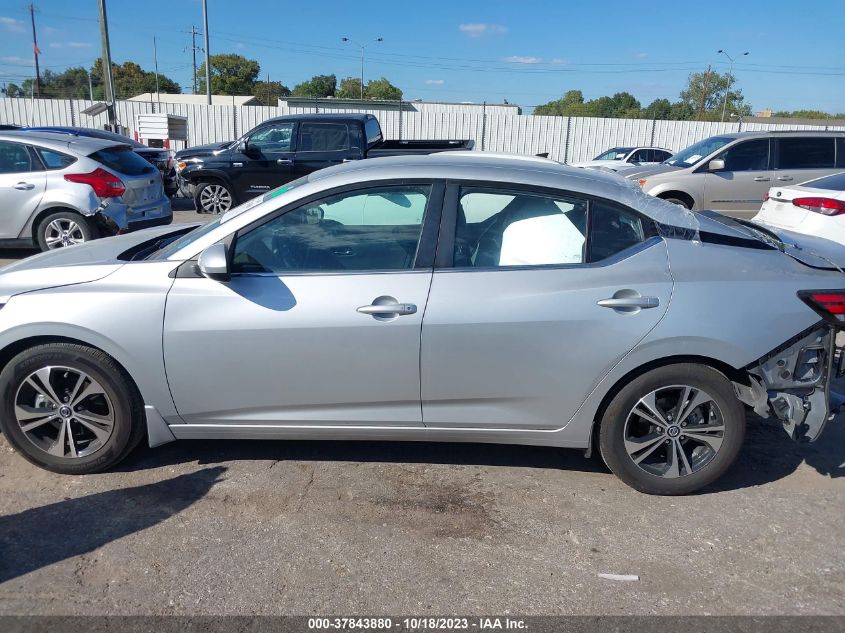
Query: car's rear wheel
point(69, 408)
point(213, 197)
point(673, 430)
point(63, 228)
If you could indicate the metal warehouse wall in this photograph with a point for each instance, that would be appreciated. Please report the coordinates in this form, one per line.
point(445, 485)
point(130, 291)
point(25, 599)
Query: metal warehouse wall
point(566, 139)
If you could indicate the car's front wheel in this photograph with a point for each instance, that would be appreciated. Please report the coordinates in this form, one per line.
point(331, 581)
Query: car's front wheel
point(213, 197)
point(63, 228)
point(69, 408)
point(673, 429)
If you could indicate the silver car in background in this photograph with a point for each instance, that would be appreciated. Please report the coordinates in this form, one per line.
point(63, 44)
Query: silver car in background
point(731, 173)
point(58, 190)
point(451, 297)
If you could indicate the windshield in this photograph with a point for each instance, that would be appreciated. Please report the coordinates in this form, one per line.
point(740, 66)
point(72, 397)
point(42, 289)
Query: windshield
point(617, 153)
point(694, 153)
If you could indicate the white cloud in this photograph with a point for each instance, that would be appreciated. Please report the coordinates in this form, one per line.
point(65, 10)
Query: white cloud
point(70, 45)
point(11, 24)
point(435, 82)
point(51, 29)
point(522, 59)
point(558, 60)
point(477, 29)
point(642, 55)
point(14, 59)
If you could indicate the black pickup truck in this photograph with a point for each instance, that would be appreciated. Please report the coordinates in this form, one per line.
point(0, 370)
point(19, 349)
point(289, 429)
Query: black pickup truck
point(222, 175)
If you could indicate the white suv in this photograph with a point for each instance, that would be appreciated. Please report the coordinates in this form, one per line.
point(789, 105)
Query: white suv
point(58, 190)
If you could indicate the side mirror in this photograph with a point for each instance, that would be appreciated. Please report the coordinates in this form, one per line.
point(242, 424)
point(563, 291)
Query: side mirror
point(214, 263)
point(717, 164)
point(243, 146)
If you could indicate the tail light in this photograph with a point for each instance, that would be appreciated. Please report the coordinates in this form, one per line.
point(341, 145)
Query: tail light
point(104, 184)
point(825, 206)
point(830, 304)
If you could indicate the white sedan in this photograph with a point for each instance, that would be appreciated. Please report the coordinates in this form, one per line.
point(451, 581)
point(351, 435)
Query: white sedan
point(619, 157)
point(816, 207)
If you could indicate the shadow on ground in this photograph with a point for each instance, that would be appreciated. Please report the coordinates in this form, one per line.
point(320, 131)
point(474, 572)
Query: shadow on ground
point(768, 455)
point(39, 537)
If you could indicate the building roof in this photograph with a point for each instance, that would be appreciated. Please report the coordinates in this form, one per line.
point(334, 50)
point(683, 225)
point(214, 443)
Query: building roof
point(187, 99)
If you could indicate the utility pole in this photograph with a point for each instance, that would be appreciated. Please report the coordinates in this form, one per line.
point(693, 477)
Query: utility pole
point(207, 55)
point(90, 86)
point(155, 61)
point(268, 90)
point(362, 47)
point(704, 92)
point(108, 80)
point(730, 79)
point(36, 52)
point(194, 49)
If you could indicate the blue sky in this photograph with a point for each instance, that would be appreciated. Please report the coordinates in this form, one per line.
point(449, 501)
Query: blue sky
point(525, 51)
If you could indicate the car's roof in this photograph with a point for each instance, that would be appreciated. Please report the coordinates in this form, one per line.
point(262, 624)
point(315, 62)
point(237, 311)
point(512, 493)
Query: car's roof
point(322, 117)
point(767, 133)
point(88, 132)
point(60, 141)
point(479, 167)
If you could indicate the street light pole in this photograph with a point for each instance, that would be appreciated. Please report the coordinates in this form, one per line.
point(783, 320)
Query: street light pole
point(730, 79)
point(362, 47)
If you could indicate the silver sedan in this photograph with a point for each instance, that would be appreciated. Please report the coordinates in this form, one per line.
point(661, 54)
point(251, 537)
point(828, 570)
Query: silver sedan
point(461, 298)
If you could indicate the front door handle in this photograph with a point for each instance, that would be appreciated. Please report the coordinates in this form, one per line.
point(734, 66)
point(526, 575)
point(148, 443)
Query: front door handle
point(388, 309)
point(762, 179)
point(24, 186)
point(284, 161)
point(630, 302)
point(784, 178)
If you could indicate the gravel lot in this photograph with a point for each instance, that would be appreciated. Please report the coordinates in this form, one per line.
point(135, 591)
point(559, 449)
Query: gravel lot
point(231, 527)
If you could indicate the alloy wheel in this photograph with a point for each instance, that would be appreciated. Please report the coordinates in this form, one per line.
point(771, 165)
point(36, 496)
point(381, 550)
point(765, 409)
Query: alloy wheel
point(215, 198)
point(674, 431)
point(63, 232)
point(64, 412)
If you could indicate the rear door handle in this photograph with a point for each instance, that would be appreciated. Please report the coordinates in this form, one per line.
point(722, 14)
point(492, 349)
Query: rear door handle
point(785, 178)
point(630, 302)
point(389, 308)
point(284, 161)
point(761, 179)
point(24, 186)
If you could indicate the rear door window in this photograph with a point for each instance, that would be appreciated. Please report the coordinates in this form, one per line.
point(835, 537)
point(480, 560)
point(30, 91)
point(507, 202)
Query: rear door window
point(323, 137)
point(16, 159)
point(807, 152)
point(833, 183)
point(123, 160)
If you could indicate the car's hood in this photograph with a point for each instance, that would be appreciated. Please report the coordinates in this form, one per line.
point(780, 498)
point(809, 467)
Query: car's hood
point(203, 150)
point(645, 171)
point(73, 265)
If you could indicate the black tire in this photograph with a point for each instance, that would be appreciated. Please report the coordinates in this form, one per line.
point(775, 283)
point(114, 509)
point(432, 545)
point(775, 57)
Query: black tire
point(679, 201)
point(128, 410)
point(612, 430)
point(222, 197)
point(46, 231)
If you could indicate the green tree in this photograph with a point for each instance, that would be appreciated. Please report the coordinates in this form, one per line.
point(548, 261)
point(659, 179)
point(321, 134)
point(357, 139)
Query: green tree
point(570, 104)
point(231, 74)
point(382, 90)
point(803, 114)
point(658, 109)
point(319, 86)
point(268, 93)
point(704, 95)
point(14, 90)
point(350, 88)
point(129, 80)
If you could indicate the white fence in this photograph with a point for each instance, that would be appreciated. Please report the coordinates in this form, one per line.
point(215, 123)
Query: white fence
point(566, 139)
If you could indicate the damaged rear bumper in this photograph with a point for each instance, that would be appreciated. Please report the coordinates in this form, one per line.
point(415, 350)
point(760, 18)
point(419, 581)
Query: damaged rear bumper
point(793, 382)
